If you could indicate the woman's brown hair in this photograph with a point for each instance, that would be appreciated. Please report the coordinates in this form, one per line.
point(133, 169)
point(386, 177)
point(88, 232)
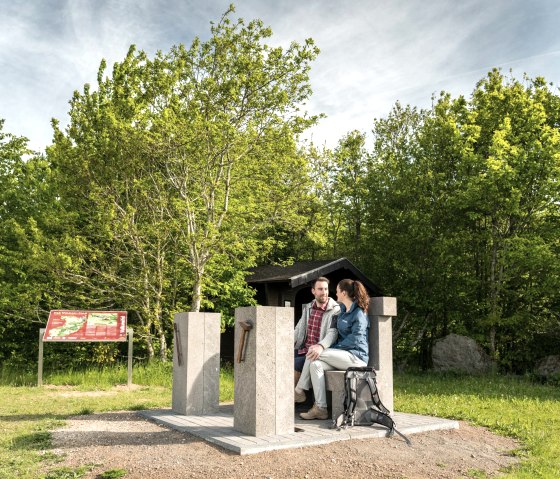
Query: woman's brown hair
point(356, 291)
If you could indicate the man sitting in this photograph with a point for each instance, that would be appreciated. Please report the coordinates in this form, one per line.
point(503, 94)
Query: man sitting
point(313, 332)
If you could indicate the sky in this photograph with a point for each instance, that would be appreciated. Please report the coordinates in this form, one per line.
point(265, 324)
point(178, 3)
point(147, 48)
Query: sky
point(373, 52)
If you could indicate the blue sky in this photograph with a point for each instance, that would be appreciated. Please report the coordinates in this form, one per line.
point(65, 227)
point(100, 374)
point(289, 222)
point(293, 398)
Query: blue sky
point(373, 52)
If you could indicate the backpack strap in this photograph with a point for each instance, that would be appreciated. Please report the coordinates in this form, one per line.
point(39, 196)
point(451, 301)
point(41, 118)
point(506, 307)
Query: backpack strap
point(379, 414)
point(346, 419)
point(375, 394)
point(379, 417)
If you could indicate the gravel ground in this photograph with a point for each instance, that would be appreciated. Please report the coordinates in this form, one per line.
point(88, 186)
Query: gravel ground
point(125, 440)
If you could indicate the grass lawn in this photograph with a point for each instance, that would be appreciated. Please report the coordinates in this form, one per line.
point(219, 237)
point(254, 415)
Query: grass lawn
point(510, 406)
point(507, 405)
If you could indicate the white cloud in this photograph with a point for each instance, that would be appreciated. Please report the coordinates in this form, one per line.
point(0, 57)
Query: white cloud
point(373, 52)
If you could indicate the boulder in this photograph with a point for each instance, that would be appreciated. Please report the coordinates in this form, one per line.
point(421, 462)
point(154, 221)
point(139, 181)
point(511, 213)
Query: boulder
point(549, 366)
point(460, 353)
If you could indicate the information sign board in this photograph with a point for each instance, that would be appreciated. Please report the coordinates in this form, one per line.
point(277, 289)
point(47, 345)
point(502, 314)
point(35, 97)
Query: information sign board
point(86, 326)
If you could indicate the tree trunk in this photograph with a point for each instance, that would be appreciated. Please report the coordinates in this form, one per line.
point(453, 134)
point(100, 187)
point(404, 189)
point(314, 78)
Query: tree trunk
point(162, 344)
point(494, 289)
point(160, 331)
point(197, 290)
point(493, 341)
point(147, 336)
point(358, 237)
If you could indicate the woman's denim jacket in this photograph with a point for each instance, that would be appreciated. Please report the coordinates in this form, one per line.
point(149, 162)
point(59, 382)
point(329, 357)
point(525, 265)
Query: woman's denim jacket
point(353, 332)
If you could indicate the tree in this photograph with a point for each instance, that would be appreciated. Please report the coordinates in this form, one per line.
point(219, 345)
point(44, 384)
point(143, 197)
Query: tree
point(351, 163)
point(338, 183)
point(462, 210)
point(178, 171)
point(513, 195)
point(27, 216)
point(409, 248)
point(226, 137)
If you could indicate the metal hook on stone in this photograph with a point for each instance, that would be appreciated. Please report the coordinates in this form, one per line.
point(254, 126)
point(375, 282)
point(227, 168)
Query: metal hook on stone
point(246, 326)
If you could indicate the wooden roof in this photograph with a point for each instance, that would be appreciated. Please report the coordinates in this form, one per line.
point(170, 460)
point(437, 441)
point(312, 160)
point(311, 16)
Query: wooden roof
point(303, 272)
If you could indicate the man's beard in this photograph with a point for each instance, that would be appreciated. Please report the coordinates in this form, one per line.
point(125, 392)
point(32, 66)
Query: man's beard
point(322, 299)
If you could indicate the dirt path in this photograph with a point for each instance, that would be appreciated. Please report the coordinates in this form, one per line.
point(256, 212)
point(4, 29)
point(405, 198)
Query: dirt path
point(149, 451)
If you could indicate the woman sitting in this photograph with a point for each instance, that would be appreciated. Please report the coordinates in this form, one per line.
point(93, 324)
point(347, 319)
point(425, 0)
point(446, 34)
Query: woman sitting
point(350, 350)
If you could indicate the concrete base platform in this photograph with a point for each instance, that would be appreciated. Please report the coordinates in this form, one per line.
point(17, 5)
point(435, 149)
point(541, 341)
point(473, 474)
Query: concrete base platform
point(217, 428)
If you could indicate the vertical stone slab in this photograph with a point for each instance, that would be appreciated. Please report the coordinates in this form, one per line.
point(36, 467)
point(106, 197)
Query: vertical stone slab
point(245, 374)
point(284, 370)
point(196, 363)
point(265, 372)
point(263, 384)
point(381, 312)
point(211, 367)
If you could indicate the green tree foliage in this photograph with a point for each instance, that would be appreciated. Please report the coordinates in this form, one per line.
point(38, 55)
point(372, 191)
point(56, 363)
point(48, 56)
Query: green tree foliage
point(515, 209)
point(463, 218)
point(177, 172)
point(349, 169)
point(227, 139)
point(27, 208)
point(339, 189)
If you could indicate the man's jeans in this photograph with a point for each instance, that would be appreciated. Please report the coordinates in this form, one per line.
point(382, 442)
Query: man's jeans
point(299, 360)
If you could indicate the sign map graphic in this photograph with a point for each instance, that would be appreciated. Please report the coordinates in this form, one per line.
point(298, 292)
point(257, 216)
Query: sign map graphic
point(86, 326)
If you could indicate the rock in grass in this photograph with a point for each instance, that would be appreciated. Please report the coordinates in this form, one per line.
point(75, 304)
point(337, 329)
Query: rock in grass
point(460, 354)
point(549, 366)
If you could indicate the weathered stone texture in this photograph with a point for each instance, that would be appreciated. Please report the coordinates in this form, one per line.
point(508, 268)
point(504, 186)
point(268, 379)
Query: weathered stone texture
point(196, 377)
point(263, 384)
point(460, 353)
point(549, 366)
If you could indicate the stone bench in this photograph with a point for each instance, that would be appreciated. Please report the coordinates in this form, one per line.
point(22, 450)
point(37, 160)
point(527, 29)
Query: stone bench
point(380, 313)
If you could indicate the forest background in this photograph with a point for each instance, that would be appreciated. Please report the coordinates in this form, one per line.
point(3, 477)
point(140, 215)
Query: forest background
point(178, 173)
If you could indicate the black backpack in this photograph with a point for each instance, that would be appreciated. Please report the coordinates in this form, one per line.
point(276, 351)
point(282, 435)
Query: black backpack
point(363, 412)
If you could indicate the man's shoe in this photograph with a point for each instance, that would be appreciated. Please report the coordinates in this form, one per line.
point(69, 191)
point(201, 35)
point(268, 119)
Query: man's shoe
point(315, 412)
point(299, 397)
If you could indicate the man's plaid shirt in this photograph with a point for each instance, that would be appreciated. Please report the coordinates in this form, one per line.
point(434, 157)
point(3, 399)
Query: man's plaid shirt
point(314, 325)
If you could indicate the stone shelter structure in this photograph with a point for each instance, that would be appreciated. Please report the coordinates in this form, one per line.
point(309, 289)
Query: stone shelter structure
point(290, 285)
